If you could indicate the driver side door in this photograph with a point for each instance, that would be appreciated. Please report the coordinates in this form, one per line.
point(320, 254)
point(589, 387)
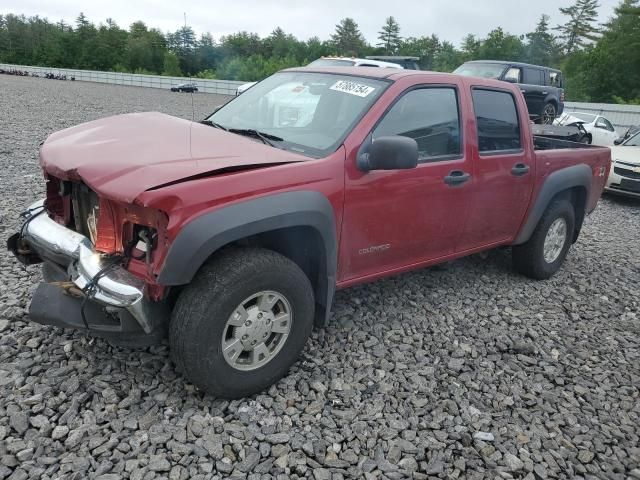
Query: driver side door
point(396, 219)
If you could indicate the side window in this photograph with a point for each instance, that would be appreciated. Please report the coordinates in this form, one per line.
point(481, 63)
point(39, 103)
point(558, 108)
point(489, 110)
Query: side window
point(532, 76)
point(514, 74)
point(609, 126)
point(555, 79)
point(604, 123)
point(497, 121)
point(428, 115)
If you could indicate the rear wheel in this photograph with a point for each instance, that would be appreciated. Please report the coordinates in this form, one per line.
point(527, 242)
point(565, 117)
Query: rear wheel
point(243, 321)
point(549, 113)
point(544, 253)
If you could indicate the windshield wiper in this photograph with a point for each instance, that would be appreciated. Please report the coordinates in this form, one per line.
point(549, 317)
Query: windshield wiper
point(214, 124)
point(265, 137)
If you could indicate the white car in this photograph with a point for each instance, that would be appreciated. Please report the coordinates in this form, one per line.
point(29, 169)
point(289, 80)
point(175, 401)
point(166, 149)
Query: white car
point(624, 177)
point(335, 62)
point(600, 130)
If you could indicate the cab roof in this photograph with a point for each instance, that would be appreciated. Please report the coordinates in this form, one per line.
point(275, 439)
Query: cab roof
point(393, 75)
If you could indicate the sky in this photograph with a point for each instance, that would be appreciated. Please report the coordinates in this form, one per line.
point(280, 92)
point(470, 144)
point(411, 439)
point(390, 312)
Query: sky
point(449, 19)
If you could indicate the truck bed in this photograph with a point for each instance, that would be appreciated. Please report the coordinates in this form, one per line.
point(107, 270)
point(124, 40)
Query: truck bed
point(553, 154)
point(547, 143)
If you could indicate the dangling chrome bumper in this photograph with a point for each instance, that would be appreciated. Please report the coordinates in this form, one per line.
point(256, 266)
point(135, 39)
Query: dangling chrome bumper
point(43, 239)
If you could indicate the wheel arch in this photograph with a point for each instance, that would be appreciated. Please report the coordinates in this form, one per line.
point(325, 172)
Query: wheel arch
point(572, 183)
point(299, 225)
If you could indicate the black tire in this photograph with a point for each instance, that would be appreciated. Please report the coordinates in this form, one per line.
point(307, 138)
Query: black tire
point(548, 114)
point(529, 258)
point(204, 306)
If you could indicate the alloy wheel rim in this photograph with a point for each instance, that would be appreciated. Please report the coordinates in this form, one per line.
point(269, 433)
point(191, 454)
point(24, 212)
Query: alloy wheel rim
point(555, 239)
point(549, 114)
point(256, 330)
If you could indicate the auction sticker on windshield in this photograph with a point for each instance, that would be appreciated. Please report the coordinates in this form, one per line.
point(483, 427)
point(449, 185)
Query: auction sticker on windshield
point(352, 88)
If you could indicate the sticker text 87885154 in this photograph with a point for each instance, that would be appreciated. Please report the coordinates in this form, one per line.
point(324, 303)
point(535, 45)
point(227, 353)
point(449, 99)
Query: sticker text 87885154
point(352, 88)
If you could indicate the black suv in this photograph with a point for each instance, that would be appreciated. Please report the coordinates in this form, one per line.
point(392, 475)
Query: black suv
point(543, 87)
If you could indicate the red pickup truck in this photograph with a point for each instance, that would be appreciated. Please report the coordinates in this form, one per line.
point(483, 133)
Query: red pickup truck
point(232, 234)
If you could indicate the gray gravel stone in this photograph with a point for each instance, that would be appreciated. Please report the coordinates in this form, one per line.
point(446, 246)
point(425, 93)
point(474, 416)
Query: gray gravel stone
point(19, 422)
point(513, 463)
point(59, 432)
point(410, 368)
point(252, 458)
point(276, 438)
point(484, 436)
point(159, 463)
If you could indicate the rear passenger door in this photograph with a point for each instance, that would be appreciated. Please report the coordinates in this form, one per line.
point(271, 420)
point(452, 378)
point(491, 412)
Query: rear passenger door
point(396, 218)
point(534, 89)
point(503, 171)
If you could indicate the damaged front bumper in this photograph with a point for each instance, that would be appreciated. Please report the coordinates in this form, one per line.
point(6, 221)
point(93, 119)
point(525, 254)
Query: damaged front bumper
point(81, 272)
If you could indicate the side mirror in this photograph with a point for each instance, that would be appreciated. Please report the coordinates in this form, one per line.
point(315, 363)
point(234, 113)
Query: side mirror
point(618, 141)
point(510, 80)
point(390, 153)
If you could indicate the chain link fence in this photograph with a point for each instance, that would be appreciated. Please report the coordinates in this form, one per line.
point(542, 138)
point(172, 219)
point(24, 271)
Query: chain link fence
point(222, 87)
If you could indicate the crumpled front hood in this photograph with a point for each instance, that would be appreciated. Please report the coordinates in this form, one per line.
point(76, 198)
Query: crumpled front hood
point(123, 156)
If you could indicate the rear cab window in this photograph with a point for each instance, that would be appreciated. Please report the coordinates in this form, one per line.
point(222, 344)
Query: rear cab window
point(497, 121)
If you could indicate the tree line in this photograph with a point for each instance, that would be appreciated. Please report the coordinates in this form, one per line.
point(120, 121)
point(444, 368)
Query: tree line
point(601, 62)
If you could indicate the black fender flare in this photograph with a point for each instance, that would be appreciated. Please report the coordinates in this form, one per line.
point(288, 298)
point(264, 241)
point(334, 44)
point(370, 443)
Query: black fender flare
point(207, 233)
point(575, 176)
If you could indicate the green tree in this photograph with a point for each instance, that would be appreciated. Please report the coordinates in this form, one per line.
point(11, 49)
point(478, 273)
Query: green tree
point(447, 57)
point(541, 48)
point(389, 36)
point(424, 47)
point(347, 39)
point(86, 43)
point(241, 44)
point(111, 45)
point(183, 43)
point(613, 64)
point(171, 65)
point(207, 55)
point(501, 46)
point(471, 47)
point(314, 48)
point(580, 29)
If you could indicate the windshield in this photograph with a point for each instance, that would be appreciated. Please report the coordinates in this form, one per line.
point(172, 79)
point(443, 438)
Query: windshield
point(484, 70)
point(310, 113)
point(331, 62)
point(633, 141)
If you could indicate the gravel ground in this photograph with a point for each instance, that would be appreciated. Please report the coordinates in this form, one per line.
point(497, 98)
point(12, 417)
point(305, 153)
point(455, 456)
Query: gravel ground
point(461, 371)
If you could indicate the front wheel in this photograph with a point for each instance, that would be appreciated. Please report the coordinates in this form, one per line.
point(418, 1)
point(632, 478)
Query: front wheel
point(549, 113)
point(243, 321)
point(544, 253)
